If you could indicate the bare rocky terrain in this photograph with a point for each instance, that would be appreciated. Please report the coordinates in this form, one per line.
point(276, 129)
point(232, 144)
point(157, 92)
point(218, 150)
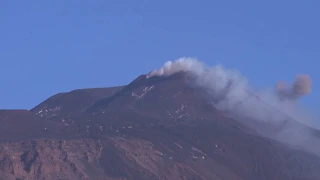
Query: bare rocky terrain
point(153, 128)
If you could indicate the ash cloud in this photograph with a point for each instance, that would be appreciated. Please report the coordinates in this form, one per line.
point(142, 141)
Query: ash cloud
point(273, 105)
point(300, 87)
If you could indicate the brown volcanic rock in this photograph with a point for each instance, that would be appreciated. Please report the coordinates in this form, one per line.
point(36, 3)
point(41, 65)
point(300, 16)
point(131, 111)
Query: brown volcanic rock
point(112, 158)
point(158, 154)
point(50, 159)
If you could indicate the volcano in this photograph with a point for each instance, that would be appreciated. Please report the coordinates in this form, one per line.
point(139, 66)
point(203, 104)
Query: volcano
point(159, 127)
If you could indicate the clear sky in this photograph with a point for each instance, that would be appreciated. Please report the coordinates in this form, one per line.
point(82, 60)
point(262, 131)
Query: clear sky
point(51, 46)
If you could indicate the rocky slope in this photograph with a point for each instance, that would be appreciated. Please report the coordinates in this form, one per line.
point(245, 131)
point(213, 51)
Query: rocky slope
point(72, 103)
point(153, 128)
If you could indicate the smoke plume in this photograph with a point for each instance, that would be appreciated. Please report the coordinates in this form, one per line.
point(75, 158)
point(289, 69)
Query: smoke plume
point(182, 64)
point(300, 87)
point(273, 105)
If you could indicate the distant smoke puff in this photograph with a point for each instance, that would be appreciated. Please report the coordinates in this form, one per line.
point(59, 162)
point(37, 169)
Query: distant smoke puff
point(300, 87)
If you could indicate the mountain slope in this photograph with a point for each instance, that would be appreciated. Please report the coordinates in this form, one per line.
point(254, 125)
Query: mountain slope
point(153, 128)
point(17, 125)
point(72, 103)
point(157, 106)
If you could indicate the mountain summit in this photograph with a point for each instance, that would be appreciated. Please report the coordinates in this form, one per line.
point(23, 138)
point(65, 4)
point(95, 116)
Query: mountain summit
point(183, 121)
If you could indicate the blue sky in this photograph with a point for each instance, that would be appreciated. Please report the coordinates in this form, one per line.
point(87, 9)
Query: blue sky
point(48, 47)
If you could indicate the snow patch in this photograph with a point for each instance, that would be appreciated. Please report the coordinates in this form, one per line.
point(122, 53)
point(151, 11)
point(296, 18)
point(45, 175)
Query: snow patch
point(144, 92)
point(183, 106)
point(197, 150)
point(45, 112)
point(178, 145)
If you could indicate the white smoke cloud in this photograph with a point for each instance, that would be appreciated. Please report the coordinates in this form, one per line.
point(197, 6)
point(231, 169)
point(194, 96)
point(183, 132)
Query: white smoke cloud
point(233, 93)
point(182, 64)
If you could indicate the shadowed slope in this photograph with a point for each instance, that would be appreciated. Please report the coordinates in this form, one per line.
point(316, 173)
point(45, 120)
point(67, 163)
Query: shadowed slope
point(17, 125)
point(72, 103)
